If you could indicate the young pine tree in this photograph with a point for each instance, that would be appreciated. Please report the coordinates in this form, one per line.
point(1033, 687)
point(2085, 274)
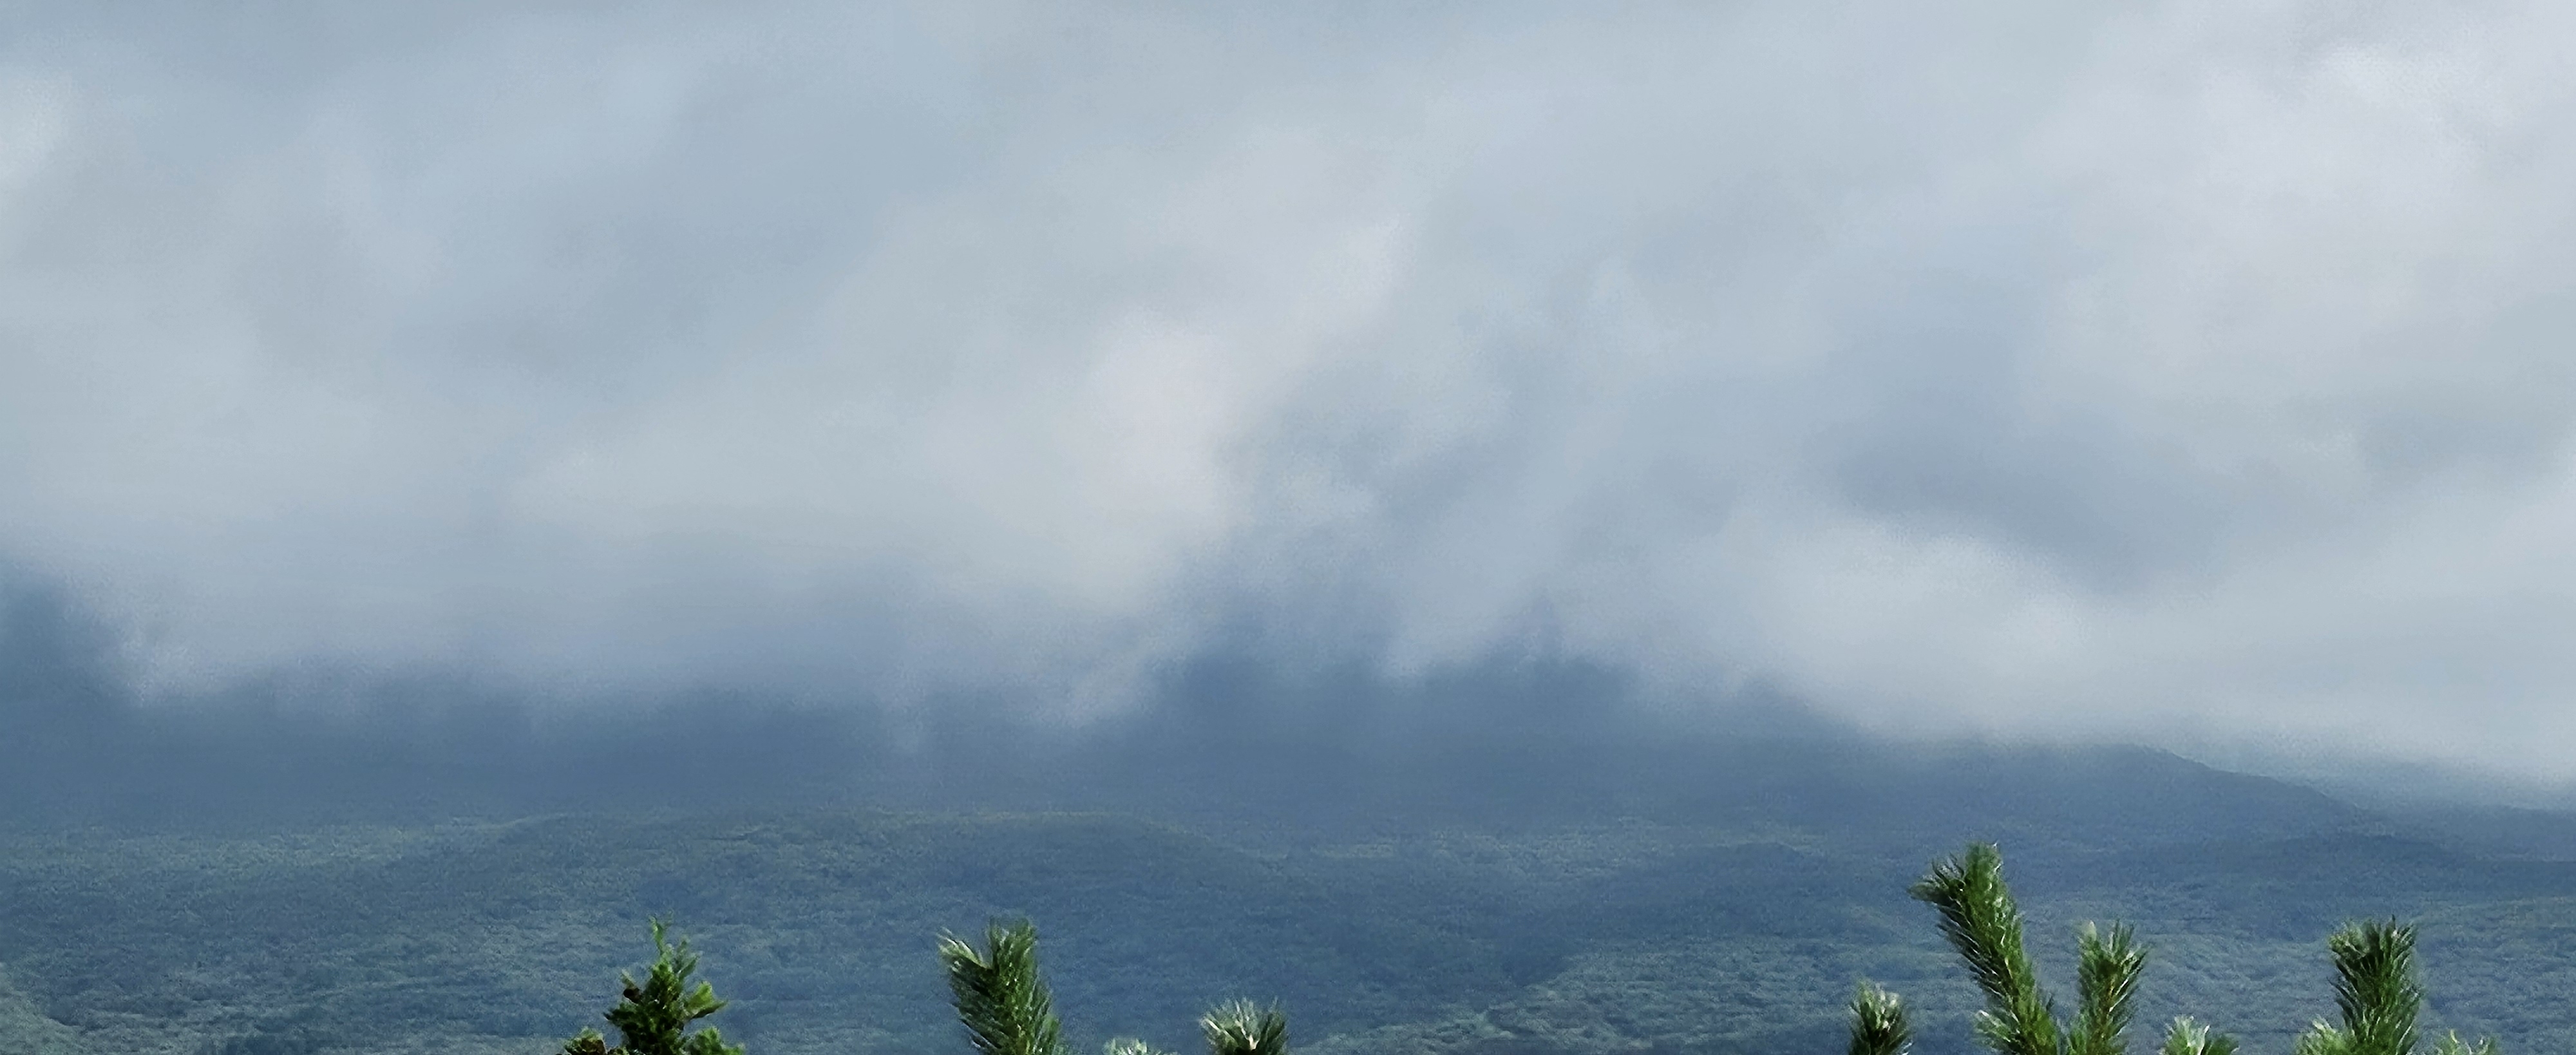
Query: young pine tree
point(1240, 1027)
point(2378, 996)
point(2186, 1037)
point(2376, 990)
point(1984, 925)
point(654, 1015)
point(1982, 922)
point(1878, 1022)
point(1000, 998)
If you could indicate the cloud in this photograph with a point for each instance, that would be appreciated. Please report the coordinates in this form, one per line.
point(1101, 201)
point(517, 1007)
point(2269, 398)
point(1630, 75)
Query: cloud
point(2179, 371)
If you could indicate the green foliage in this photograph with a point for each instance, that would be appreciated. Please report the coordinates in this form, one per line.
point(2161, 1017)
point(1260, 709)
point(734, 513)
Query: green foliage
point(1240, 1027)
point(1878, 1024)
point(654, 1016)
point(2186, 1037)
point(1005, 1006)
point(999, 995)
point(2107, 971)
point(2377, 992)
point(25, 1029)
point(1981, 922)
point(2378, 995)
point(475, 938)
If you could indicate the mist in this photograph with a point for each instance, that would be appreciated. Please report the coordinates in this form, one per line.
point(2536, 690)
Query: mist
point(2184, 374)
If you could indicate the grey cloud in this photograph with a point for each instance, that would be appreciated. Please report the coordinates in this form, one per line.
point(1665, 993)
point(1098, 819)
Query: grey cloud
point(2181, 371)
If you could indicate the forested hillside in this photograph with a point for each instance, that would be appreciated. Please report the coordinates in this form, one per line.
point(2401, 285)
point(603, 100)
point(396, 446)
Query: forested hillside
point(1734, 923)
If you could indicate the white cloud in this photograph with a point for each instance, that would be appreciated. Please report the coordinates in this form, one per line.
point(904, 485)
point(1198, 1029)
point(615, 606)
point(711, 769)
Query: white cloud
point(2051, 371)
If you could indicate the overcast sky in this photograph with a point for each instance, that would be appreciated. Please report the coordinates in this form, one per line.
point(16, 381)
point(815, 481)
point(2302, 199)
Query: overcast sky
point(2198, 372)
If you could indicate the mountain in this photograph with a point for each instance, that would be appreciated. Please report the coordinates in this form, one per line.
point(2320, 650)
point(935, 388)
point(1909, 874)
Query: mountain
point(1713, 897)
point(24, 1029)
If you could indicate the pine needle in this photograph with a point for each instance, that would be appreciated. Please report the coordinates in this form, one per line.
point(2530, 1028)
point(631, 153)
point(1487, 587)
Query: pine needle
point(654, 1015)
point(1240, 1027)
point(2186, 1037)
point(2107, 973)
point(1982, 922)
point(2451, 1044)
point(1878, 1025)
point(2375, 987)
point(1000, 997)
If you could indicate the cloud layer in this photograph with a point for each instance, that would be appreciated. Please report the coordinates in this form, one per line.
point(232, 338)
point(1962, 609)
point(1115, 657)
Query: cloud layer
point(2190, 371)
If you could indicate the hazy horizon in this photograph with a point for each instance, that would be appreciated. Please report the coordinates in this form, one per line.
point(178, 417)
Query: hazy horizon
point(2185, 374)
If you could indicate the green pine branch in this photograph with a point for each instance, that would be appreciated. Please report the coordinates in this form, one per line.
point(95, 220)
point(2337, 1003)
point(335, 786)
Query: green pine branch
point(1982, 922)
point(1878, 1025)
point(1000, 997)
point(653, 1016)
point(1240, 1027)
point(2107, 971)
point(2186, 1037)
point(2376, 993)
point(2375, 986)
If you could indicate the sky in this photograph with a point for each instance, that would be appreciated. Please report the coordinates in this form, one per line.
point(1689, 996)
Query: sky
point(2195, 373)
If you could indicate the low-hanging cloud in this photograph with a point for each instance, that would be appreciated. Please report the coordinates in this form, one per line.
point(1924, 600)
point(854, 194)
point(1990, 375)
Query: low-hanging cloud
point(2181, 370)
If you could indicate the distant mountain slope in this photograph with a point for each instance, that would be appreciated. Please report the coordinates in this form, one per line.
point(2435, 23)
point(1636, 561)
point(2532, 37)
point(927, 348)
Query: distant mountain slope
point(1711, 900)
point(24, 1029)
point(1901, 798)
point(2492, 831)
point(816, 922)
point(1915, 798)
point(1265, 755)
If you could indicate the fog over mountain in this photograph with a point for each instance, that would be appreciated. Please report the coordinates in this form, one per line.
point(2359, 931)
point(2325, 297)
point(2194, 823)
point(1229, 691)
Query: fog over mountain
point(2187, 373)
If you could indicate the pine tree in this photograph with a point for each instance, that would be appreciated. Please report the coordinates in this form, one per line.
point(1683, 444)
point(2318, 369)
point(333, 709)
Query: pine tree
point(653, 1017)
point(1983, 923)
point(2376, 989)
point(2186, 1037)
point(2106, 987)
point(1878, 1022)
point(2378, 996)
point(1240, 1027)
point(1000, 997)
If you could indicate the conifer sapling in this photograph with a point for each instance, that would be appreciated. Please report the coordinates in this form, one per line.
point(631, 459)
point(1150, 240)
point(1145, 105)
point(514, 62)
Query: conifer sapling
point(1240, 1027)
point(653, 1016)
point(2106, 983)
point(1000, 997)
point(1878, 1024)
point(2378, 996)
point(1983, 924)
point(2186, 1037)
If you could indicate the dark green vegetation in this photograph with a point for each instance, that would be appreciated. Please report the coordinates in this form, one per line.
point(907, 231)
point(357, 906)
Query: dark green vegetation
point(1001, 999)
point(1737, 924)
point(1240, 1027)
point(2378, 993)
point(655, 1016)
point(1984, 925)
